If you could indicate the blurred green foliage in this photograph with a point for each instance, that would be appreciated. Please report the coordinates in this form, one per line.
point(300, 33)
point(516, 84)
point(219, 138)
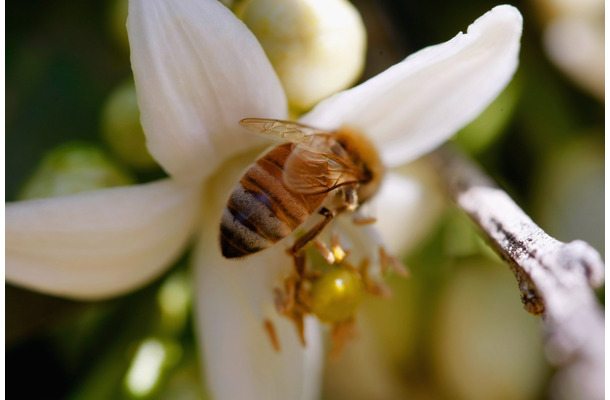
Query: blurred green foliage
point(542, 140)
point(73, 168)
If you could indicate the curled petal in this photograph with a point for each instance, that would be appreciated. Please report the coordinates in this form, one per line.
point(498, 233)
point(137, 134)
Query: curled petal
point(234, 299)
point(419, 103)
point(99, 244)
point(198, 71)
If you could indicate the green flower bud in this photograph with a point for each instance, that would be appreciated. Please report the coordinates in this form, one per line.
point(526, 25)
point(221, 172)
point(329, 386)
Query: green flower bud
point(491, 123)
point(117, 22)
point(569, 190)
point(174, 299)
point(122, 130)
point(73, 168)
point(316, 47)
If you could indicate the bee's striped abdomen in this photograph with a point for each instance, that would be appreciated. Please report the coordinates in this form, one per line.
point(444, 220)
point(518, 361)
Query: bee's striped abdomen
point(262, 209)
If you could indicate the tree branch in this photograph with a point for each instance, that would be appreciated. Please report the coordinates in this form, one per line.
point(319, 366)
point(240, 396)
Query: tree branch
point(555, 278)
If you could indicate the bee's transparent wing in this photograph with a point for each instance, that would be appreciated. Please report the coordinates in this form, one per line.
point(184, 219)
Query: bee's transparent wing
point(313, 168)
point(286, 130)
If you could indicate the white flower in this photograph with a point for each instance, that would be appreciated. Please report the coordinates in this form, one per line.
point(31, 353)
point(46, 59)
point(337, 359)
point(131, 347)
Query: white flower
point(573, 39)
point(198, 71)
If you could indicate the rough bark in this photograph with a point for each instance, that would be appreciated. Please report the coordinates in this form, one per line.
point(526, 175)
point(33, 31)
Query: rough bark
point(555, 278)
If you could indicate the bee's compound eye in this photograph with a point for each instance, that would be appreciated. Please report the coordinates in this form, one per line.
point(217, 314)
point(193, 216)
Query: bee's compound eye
point(336, 295)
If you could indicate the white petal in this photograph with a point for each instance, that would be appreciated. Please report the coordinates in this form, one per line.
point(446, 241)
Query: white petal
point(198, 71)
point(233, 300)
point(408, 205)
point(363, 371)
point(417, 104)
point(99, 244)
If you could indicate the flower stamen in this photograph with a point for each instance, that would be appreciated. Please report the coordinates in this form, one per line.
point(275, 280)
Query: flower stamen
point(388, 261)
point(364, 221)
point(327, 254)
point(331, 291)
point(270, 329)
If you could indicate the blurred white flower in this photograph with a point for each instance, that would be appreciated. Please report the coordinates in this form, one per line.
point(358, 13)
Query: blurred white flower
point(198, 71)
point(478, 323)
point(574, 40)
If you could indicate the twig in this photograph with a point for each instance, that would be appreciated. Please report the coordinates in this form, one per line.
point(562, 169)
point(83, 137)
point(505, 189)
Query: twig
point(555, 278)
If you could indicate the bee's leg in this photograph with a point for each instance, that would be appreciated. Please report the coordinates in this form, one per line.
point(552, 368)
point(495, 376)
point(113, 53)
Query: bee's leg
point(313, 232)
point(350, 203)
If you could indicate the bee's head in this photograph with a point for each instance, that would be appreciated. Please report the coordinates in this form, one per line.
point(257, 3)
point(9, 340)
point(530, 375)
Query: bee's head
point(364, 154)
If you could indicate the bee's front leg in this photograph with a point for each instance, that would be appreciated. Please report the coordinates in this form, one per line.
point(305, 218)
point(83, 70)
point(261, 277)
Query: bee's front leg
point(349, 203)
point(313, 232)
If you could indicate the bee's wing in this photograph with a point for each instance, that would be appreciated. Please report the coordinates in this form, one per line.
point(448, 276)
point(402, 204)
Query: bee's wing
point(312, 168)
point(286, 130)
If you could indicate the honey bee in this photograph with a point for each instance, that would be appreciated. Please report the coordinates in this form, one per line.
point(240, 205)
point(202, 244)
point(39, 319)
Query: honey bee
point(313, 172)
